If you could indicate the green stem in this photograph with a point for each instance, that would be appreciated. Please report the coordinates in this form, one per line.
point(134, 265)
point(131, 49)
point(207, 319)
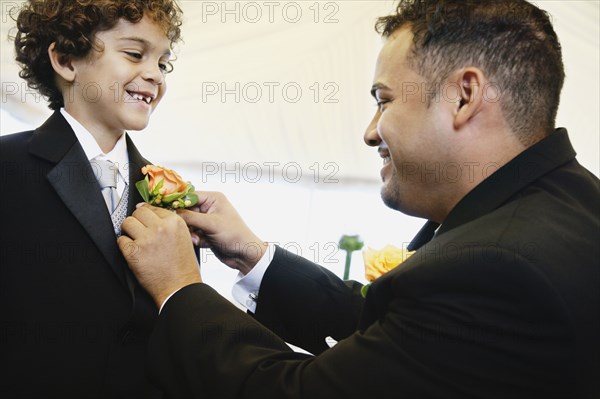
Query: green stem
point(347, 268)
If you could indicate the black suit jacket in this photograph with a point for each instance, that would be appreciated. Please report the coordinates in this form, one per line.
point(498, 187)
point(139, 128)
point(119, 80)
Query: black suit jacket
point(502, 303)
point(74, 321)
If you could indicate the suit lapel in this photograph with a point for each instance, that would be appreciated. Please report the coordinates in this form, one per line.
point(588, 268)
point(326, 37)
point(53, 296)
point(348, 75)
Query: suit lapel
point(136, 162)
point(81, 194)
point(73, 180)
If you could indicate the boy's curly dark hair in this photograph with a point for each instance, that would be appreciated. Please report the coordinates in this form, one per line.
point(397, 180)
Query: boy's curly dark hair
point(512, 41)
point(72, 25)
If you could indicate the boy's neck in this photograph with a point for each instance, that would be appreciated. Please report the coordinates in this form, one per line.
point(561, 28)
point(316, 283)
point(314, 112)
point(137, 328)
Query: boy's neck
point(106, 139)
point(106, 143)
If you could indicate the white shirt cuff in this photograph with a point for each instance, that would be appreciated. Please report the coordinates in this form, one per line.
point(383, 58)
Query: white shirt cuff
point(245, 288)
point(165, 301)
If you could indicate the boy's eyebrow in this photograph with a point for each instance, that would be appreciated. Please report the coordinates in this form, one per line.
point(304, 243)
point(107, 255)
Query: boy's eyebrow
point(378, 86)
point(143, 42)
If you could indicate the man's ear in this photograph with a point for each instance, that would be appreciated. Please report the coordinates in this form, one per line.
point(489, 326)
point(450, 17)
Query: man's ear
point(470, 82)
point(61, 64)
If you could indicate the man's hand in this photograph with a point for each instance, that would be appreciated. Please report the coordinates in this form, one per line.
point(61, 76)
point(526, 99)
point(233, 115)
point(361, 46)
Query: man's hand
point(159, 251)
point(218, 226)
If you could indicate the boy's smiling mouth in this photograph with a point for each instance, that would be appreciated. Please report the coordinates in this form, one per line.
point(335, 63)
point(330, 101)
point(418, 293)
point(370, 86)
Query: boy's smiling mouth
point(141, 96)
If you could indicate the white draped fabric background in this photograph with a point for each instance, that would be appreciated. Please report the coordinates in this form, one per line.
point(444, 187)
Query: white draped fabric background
point(268, 103)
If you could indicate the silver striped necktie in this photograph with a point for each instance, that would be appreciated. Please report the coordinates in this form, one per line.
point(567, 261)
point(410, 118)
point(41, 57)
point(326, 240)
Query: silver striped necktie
point(107, 174)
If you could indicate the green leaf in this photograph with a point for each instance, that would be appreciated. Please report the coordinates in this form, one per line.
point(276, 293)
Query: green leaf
point(364, 289)
point(158, 186)
point(172, 197)
point(142, 187)
point(193, 198)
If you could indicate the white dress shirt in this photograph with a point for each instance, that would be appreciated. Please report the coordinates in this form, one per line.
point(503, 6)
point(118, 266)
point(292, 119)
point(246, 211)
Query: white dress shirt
point(245, 289)
point(118, 155)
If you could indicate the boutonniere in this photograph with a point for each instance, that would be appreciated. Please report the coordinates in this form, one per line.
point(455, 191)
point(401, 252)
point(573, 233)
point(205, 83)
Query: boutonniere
point(379, 262)
point(164, 188)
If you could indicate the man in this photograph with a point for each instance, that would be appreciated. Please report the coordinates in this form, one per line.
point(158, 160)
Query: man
point(501, 298)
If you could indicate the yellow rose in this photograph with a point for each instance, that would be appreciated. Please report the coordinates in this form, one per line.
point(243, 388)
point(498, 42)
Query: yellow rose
point(380, 262)
point(172, 182)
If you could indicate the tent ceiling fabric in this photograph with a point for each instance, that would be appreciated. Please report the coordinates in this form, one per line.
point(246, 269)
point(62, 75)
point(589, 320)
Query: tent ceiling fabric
point(276, 83)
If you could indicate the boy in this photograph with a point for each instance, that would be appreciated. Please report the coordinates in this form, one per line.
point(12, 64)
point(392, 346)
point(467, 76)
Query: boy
point(75, 322)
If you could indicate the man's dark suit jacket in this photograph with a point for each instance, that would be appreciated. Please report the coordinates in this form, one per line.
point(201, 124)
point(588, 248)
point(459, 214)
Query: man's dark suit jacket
point(74, 323)
point(502, 303)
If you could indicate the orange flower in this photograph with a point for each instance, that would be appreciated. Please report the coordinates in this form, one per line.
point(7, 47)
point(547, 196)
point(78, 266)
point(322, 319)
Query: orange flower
point(165, 188)
point(380, 262)
point(172, 182)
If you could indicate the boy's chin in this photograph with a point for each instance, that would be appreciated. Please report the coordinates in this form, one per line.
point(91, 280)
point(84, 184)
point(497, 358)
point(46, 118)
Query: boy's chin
point(137, 125)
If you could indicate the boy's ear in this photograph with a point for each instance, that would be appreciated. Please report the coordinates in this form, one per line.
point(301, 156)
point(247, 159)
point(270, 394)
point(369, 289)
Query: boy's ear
point(470, 82)
point(61, 63)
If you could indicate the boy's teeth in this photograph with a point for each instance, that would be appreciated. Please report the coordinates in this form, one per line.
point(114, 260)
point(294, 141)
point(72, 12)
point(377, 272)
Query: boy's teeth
point(142, 98)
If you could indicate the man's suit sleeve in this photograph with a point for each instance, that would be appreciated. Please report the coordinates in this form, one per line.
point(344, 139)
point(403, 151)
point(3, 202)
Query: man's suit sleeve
point(431, 332)
point(205, 347)
point(295, 290)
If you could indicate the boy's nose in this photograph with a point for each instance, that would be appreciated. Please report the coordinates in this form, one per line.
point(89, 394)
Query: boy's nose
point(154, 74)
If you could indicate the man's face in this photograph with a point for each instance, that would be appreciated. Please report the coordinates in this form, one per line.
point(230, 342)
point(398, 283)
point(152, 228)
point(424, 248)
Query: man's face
point(410, 133)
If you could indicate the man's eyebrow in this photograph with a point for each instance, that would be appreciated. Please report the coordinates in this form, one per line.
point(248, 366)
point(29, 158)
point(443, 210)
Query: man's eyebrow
point(142, 41)
point(378, 86)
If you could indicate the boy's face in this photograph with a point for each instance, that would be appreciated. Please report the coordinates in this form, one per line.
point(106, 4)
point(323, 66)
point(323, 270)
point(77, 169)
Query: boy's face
point(117, 88)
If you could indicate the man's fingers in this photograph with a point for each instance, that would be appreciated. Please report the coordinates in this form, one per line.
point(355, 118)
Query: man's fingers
point(197, 220)
point(129, 248)
point(133, 227)
point(204, 197)
point(160, 212)
point(210, 200)
point(199, 239)
point(150, 215)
